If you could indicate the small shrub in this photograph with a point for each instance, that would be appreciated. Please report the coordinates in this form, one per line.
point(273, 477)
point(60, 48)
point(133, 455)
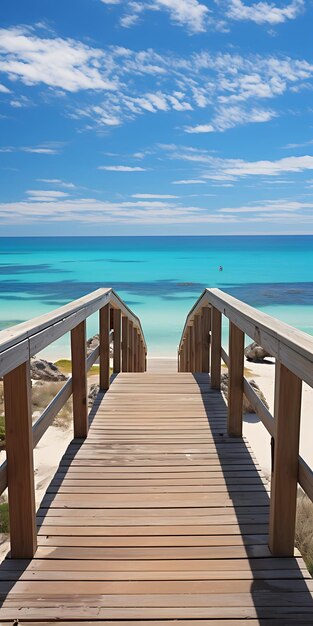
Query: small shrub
point(4, 517)
point(2, 428)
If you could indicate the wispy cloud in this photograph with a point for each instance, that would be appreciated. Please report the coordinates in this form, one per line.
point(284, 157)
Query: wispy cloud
point(88, 210)
point(121, 168)
point(230, 87)
point(197, 17)
point(151, 196)
point(63, 63)
point(218, 169)
point(45, 148)
point(190, 14)
point(190, 181)
point(264, 12)
point(57, 181)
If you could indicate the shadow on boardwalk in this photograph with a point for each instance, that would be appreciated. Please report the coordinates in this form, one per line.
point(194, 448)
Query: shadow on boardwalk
point(279, 590)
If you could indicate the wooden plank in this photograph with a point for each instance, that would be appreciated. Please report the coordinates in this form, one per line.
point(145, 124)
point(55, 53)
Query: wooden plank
point(235, 385)
point(216, 348)
point(79, 380)
point(104, 333)
point(130, 347)
point(20, 464)
point(286, 454)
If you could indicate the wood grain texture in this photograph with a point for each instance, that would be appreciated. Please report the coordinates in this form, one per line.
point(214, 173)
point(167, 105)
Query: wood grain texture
point(104, 334)
point(79, 380)
point(285, 464)
point(19, 450)
point(158, 517)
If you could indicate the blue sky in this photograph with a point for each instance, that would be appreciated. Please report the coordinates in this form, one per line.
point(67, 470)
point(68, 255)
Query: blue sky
point(156, 117)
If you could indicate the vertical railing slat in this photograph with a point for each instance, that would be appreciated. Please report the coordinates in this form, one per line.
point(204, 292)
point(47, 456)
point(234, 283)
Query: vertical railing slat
point(284, 478)
point(19, 450)
point(205, 339)
point(124, 344)
point(104, 339)
point(79, 380)
point(117, 341)
point(235, 381)
point(216, 344)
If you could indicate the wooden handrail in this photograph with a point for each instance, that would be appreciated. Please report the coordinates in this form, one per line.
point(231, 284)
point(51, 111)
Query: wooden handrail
point(17, 345)
point(293, 351)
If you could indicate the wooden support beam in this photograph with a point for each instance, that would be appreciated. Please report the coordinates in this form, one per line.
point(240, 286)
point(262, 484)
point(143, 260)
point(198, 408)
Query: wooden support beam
point(79, 376)
point(104, 334)
point(235, 381)
point(124, 344)
point(205, 328)
point(198, 343)
point(20, 464)
point(117, 341)
point(287, 411)
point(216, 344)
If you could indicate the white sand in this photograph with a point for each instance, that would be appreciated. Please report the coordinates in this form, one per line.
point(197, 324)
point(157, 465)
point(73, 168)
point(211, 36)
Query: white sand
point(264, 376)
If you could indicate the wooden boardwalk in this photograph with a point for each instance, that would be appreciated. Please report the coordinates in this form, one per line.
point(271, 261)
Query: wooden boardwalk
point(157, 516)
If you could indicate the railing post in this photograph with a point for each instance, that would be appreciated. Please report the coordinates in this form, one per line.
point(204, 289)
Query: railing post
point(117, 340)
point(79, 377)
point(130, 346)
point(19, 450)
point(198, 343)
point(135, 349)
point(192, 348)
point(104, 338)
point(216, 349)
point(188, 356)
point(284, 480)
point(124, 344)
point(235, 381)
point(206, 327)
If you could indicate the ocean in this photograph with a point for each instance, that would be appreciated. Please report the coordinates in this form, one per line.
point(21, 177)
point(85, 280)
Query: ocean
point(158, 277)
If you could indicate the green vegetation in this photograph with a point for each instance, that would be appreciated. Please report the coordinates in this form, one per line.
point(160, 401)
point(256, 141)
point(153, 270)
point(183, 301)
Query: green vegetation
point(2, 429)
point(4, 517)
point(65, 366)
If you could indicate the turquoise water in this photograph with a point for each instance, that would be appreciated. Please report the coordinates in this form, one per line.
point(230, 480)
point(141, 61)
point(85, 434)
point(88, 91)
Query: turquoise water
point(158, 277)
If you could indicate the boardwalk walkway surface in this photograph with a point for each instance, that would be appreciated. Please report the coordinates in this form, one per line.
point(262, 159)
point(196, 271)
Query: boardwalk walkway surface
point(157, 516)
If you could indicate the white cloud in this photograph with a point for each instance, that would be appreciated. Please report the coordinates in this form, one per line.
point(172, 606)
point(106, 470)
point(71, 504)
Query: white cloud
point(151, 196)
point(191, 181)
point(270, 206)
point(190, 14)
point(201, 128)
point(89, 210)
point(45, 195)
point(47, 148)
point(121, 168)
point(4, 89)
point(264, 12)
point(57, 181)
point(56, 62)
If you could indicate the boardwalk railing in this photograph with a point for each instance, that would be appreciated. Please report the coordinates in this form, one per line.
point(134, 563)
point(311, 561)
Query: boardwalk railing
point(17, 345)
point(200, 350)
